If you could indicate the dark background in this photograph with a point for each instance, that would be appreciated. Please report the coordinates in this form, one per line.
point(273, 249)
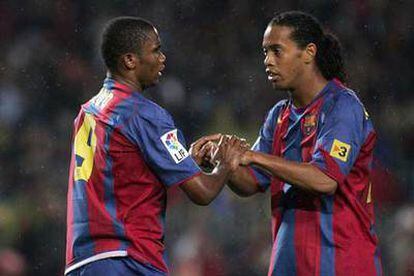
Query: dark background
point(214, 82)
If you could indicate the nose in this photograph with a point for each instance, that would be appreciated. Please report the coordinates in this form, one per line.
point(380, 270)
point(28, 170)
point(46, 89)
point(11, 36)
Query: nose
point(269, 59)
point(163, 58)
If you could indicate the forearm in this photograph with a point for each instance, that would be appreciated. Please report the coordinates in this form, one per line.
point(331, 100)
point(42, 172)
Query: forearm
point(242, 182)
point(204, 188)
point(215, 181)
point(303, 175)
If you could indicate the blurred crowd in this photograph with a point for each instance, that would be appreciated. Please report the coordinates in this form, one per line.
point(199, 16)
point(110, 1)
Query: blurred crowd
point(214, 82)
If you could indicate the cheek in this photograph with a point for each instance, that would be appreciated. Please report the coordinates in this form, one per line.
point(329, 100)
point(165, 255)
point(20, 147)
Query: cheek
point(295, 68)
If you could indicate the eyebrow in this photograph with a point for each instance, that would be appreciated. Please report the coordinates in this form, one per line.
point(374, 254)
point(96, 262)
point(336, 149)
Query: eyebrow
point(272, 46)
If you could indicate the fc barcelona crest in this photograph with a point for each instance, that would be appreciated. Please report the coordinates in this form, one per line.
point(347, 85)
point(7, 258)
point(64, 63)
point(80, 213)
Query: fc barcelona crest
point(309, 124)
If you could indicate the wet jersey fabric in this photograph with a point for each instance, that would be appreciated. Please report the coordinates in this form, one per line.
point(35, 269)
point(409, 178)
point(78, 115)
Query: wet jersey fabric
point(322, 234)
point(126, 152)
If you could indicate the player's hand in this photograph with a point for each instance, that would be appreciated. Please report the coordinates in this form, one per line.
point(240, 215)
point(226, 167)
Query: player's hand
point(202, 149)
point(217, 154)
point(246, 158)
point(229, 152)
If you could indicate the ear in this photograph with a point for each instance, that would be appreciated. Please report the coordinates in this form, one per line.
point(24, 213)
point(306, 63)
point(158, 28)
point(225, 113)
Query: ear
point(310, 53)
point(129, 61)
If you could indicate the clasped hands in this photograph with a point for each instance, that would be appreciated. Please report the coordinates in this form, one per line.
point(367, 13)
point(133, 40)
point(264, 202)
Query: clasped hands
point(229, 150)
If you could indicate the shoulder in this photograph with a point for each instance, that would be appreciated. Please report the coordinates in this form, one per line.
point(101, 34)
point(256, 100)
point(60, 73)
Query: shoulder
point(347, 96)
point(145, 109)
point(276, 109)
point(345, 102)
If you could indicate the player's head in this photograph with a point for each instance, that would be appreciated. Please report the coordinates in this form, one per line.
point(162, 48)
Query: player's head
point(131, 47)
point(294, 42)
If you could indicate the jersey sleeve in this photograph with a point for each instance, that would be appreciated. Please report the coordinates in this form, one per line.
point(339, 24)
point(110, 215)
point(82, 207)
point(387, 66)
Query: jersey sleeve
point(340, 138)
point(163, 147)
point(264, 144)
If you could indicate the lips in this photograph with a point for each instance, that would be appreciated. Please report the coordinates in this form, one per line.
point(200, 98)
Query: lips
point(161, 69)
point(272, 76)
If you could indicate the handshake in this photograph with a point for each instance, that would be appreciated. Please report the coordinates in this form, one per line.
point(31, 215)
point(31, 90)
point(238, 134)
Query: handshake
point(227, 150)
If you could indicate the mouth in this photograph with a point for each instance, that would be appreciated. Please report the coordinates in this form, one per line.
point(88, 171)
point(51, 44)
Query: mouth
point(161, 69)
point(272, 76)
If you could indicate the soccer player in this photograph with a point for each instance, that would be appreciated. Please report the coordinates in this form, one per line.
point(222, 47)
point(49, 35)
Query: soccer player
point(314, 151)
point(126, 152)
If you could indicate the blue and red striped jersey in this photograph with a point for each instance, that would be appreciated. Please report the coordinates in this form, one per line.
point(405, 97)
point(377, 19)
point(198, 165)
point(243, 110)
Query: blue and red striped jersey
point(126, 151)
point(322, 234)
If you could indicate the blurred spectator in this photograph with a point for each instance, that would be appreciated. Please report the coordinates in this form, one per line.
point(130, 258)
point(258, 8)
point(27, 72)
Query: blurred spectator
point(400, 242)
point(12, 263)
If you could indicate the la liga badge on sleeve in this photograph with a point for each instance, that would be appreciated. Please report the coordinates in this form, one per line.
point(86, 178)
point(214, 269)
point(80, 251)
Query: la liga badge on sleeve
point(174, 147)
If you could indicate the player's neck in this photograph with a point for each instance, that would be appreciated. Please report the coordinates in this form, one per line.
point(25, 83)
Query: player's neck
point(128, 81)
point(308, 88)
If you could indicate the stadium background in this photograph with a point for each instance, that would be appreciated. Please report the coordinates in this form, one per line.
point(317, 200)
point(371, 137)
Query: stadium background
point(214, 82)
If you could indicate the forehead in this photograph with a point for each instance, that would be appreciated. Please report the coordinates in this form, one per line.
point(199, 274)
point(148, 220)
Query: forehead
point(153, 37)
point(277, 35)
point(150, 40)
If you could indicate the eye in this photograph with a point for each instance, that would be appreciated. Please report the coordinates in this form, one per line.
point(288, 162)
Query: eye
point(277, 51)
point(264, 51)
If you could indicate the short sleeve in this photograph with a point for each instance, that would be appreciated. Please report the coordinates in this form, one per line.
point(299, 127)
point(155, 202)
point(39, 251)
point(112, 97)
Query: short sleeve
point(264, 144)
point(163, 147)
point(340, 137)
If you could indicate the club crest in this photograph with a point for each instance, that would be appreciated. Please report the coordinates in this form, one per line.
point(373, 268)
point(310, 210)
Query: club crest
point(309, 124)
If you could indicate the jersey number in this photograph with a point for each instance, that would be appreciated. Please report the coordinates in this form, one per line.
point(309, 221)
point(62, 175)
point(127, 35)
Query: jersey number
point(84, 146)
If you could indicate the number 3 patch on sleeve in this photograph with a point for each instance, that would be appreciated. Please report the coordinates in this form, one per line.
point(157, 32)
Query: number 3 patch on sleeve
point(340, 150)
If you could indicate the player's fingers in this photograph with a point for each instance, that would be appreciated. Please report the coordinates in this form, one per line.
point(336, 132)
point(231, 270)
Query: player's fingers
point(225, 143)
point(213, 137)
point(233, 140)
point(203, 152)
point(211, 146)
point(222, 140)
point(197, 145)
point(238, 144)
point(244, 143)
point(219, 149)
point(207, 149)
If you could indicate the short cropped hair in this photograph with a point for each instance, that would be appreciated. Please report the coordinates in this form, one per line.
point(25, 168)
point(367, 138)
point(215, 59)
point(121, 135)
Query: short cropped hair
point(123, 35)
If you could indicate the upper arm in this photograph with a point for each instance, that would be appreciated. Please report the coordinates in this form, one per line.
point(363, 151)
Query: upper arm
point(340, 137)
point(162, 146)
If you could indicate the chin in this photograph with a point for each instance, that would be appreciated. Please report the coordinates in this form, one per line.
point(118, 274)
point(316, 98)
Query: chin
point(148, 85)
point(279, 86)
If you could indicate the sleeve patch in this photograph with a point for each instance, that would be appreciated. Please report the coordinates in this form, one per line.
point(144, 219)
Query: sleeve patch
point(174, 147)
point(340, 150)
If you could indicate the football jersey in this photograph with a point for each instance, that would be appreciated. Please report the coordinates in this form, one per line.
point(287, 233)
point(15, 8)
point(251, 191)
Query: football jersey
point(315, 234)
point(126, 152)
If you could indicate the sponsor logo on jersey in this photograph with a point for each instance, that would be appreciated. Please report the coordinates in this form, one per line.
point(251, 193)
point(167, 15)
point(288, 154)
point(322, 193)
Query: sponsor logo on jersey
point(174, 147)
point(340, 150)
